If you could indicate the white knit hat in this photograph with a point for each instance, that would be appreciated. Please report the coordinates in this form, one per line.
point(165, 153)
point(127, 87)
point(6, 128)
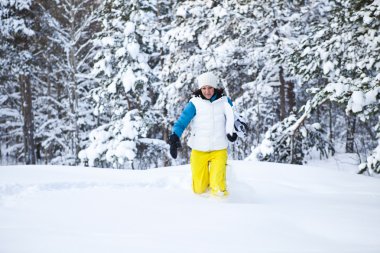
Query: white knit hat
point(207, 78)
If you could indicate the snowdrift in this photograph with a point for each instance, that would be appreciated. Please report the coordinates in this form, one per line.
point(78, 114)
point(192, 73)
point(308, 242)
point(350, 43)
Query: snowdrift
point(271, 208)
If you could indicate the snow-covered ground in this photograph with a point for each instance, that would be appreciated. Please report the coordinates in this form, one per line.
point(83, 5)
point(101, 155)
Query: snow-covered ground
point(271, 208)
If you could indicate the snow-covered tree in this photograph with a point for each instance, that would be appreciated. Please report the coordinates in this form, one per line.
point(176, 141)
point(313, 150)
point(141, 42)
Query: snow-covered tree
point(227, 37)
point(66, 79)
point(341, 50)
point(19, 53)
point(126, 52)
point(296, 71)
point(291, 141)
point(47, 52)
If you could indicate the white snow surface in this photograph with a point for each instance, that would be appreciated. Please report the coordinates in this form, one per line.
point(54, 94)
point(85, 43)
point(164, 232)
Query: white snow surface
point(271, 208)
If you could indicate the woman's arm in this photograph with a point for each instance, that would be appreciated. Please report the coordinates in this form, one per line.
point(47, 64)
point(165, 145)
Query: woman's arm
point(183, 121)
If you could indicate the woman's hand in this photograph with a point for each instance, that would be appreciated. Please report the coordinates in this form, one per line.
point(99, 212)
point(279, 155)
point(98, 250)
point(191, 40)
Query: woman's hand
point(232, 137)
point(174, 143)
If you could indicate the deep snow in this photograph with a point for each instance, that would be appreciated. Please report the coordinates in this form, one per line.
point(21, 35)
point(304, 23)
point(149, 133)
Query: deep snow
point(271, 208)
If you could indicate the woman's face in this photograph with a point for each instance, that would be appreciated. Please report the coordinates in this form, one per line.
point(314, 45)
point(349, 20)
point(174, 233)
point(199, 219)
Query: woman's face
point(207, 91)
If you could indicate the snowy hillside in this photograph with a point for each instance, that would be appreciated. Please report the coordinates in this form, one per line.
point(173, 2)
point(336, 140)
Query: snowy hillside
point(271, 208)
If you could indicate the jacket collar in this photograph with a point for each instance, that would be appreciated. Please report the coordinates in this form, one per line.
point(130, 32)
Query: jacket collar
point(213, 98)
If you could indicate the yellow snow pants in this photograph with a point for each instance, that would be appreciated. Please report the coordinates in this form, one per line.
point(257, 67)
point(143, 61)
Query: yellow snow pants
point(209, 171)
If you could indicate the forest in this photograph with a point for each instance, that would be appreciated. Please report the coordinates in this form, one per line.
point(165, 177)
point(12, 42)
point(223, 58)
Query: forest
point(101, 82)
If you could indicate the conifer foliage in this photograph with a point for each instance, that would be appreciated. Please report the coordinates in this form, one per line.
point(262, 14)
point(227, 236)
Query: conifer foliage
point(342, 52)
point(124, 97)
point(102, 82)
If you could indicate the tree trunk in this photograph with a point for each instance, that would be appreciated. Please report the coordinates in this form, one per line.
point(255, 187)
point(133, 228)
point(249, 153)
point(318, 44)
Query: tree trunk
point(282, 95)
point(291, 96)
point(351, 125)
point(28, 127)
point(331, 133)
point(73, 94)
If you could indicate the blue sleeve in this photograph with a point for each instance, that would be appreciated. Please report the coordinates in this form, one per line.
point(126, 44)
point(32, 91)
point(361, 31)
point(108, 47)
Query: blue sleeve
point(183, 121)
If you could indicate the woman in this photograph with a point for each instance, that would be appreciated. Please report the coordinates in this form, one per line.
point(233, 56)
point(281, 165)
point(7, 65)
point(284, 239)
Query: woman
point(211, 115)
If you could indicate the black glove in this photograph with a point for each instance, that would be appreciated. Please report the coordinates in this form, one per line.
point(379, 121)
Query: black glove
point(240, 126)
point(174, 144)
point(232, 137)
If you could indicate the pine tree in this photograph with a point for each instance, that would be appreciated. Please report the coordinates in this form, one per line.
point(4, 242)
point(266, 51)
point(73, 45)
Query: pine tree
point(342, 51)
point(127, 86)
point(271, 93)
point(19, 27)
point(69, 55)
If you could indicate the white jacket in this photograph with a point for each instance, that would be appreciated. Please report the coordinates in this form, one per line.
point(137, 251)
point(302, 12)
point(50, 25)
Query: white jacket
point(213, 120)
